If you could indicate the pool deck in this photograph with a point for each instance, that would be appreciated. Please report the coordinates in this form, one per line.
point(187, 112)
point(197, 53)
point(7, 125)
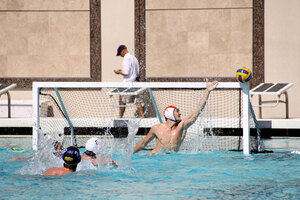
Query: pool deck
point(280, 123)
point(263, 123)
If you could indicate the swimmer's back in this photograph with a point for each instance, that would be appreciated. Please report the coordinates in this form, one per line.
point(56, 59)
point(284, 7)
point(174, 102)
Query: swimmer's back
point(57, 171)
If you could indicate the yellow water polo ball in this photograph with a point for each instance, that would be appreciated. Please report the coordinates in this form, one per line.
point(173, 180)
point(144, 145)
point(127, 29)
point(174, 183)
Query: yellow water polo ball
point(243, 74)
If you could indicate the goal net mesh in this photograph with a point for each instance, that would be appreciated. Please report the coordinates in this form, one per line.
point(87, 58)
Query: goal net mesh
point(95, 112)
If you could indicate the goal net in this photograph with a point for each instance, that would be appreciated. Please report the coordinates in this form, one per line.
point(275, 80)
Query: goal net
point(73, 112)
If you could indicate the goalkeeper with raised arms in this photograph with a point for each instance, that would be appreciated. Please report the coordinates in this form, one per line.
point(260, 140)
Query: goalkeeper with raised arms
point(170, 135)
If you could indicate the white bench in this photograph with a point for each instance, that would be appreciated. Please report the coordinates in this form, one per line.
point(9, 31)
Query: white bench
point(127, 92)
point(271, 89)
point(4, 89)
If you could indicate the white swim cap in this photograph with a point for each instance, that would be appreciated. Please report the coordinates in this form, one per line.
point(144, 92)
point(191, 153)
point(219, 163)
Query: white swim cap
point(169, 112)
point(296, 151)
point(91, 144)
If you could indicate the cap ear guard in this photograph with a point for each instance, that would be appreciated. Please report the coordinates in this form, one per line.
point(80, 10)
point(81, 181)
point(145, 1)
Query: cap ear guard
point(169, 112)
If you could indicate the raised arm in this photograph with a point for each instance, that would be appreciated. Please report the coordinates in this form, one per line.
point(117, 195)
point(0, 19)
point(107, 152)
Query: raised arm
point(143, 143)
point(191, 118)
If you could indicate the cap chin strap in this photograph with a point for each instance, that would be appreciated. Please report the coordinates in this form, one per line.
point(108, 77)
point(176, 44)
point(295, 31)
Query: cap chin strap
point(174, 120)
point(178, 121)
point(91, 154)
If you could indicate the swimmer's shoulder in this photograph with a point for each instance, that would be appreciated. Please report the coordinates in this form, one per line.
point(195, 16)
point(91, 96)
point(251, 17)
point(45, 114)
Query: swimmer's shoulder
point(158, 126)
point(84, 157)
point(56, 171)
point(52, 171)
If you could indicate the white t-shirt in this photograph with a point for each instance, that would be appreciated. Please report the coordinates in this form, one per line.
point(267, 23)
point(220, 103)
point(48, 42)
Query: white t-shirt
point(130, 66)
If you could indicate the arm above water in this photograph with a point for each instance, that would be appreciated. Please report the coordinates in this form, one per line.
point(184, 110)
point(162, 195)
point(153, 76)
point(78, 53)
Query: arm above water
point(106, 161)
point(21, 157)
point(113, 162)
point(148, 138)
point(192, 117)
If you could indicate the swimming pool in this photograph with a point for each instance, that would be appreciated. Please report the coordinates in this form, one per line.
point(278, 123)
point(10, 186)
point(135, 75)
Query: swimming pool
point(182, 175)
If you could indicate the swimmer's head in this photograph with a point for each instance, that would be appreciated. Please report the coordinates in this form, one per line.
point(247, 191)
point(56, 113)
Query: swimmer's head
point(58, 148)
point(57, 145)
point(71, 156)
point(91, 144)
point(169, 113)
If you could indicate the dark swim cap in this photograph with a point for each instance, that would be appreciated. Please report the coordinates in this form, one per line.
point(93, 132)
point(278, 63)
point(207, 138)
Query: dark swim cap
point(56, 144)
point(71, 155)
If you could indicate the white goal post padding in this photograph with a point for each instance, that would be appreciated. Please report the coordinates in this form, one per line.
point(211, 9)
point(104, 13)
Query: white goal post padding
point(37, 86)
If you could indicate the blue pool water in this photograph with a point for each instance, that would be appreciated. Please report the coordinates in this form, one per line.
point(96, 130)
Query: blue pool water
point(208, 175)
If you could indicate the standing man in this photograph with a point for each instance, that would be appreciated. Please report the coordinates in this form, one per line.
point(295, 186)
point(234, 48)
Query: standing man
point(170, 135)
point(130, 72)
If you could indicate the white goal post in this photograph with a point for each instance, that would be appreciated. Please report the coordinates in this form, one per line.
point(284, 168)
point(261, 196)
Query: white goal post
point(37, 86)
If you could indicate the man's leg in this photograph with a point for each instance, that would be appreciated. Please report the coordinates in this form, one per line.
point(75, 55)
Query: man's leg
point(122, 109)
point(140, 109)
point(139, 100)
point(122, 104)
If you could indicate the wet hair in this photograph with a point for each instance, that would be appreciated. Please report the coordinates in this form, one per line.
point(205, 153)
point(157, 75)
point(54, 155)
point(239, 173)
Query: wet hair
point(71, 166)
point(90, 154)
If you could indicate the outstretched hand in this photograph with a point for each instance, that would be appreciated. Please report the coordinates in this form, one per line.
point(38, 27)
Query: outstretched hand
point(211, 85)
